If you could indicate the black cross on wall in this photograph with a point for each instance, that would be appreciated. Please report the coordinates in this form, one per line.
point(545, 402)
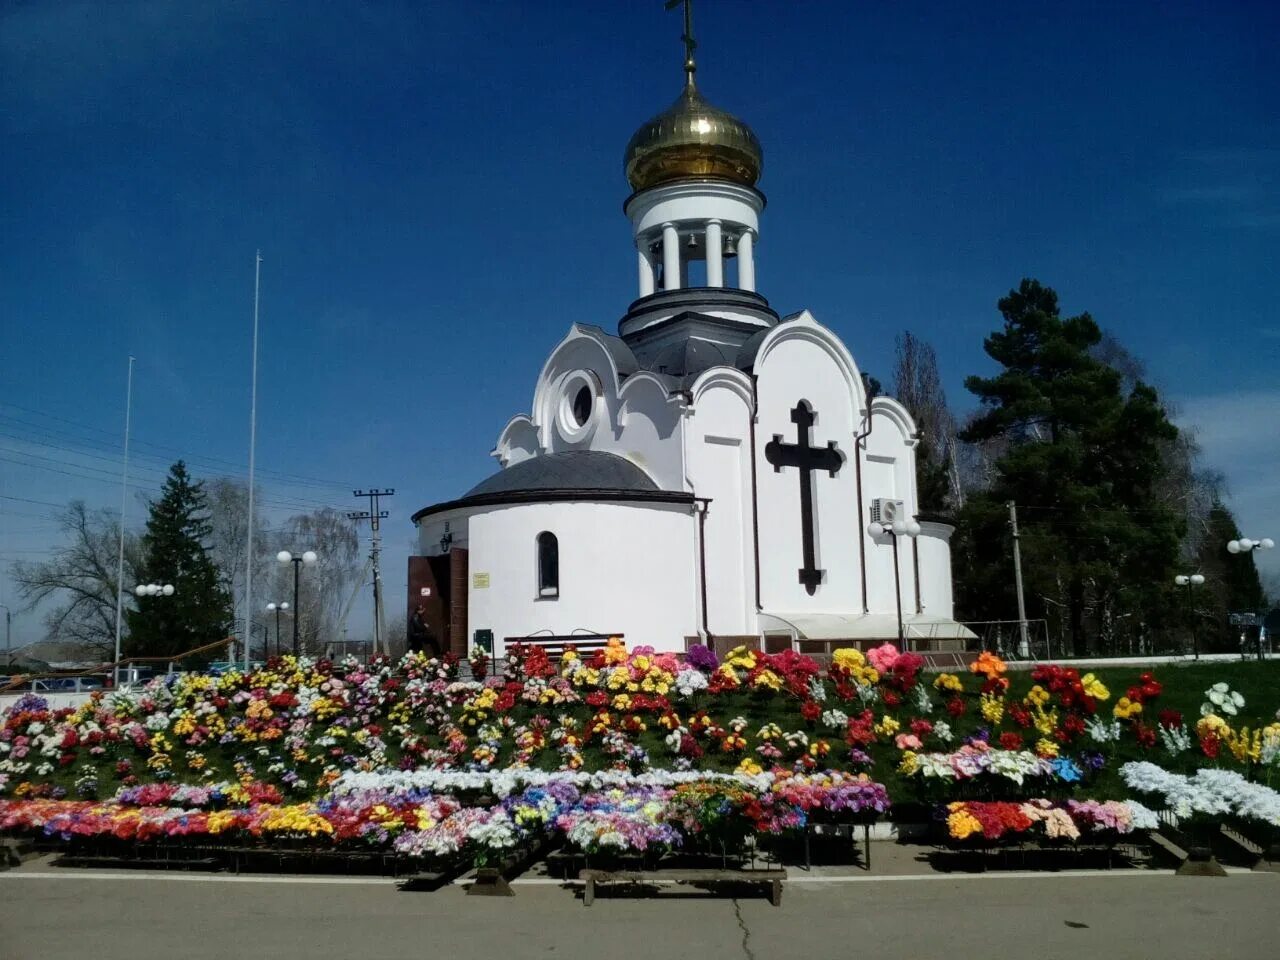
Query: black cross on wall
point(807, 458)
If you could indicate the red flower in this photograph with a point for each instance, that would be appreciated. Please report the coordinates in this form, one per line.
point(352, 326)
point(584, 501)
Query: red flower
point(1146, 735)
point(955, 707)
point(921, 727)
point(597, 698)
point(810, 710)
point(1010, 741)
point(891, 697)
point(1170, 718)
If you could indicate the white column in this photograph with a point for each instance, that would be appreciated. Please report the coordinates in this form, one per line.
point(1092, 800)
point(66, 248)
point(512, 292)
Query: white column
point(646, 267)
point(715, 255)
point(746, 263)
point(670, 257)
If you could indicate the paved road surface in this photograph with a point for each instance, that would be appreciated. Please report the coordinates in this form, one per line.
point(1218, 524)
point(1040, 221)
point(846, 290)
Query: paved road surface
point(49, 914)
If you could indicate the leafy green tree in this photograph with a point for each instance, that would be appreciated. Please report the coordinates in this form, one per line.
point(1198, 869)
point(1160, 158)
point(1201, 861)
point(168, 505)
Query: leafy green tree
point(1082, 459)
point(176, 550)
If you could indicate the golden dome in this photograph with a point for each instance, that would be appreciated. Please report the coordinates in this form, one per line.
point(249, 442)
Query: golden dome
point(693, 139)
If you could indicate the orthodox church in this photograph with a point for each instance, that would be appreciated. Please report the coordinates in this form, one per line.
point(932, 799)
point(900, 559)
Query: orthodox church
point(713, 472)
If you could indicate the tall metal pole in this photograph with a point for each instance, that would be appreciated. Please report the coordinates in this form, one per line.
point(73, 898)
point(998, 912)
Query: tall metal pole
point(8, 634)
point(1024, 645)
point(124, 499)
point(897, 592)
point(1191, 609)
point(253, 445)
point(297, 566)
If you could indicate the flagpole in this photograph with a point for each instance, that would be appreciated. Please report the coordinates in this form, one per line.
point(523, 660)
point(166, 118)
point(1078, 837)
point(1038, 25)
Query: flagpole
point(253, 443)
point(124, 499)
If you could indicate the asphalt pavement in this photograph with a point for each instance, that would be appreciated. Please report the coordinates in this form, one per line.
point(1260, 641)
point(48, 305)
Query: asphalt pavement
point(50, 913)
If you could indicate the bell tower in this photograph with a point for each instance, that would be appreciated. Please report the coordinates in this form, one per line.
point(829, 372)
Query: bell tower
point(695, 221)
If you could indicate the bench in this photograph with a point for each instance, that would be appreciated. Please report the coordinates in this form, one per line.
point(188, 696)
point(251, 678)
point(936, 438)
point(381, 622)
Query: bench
point(555, 646)
point(772, 878)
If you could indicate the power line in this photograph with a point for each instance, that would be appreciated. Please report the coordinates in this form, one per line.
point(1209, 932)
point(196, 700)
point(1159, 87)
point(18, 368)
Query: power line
point(299, 478)
point(98, 475)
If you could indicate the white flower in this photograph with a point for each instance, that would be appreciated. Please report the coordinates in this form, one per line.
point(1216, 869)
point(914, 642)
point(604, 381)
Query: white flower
point(689, 682)
point(835, 719)
point(817, 690)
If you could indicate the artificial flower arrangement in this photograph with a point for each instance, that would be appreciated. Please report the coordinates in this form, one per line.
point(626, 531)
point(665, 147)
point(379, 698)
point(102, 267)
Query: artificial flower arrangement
point(1069, 820)
point(298, 733)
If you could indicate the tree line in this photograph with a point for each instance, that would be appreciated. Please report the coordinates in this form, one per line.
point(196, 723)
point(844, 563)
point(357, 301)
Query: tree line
point(1112, 498)
point(195, 538)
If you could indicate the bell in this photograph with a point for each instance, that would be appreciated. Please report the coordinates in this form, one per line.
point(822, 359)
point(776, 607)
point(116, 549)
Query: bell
point(693, 241)
point(731, 246)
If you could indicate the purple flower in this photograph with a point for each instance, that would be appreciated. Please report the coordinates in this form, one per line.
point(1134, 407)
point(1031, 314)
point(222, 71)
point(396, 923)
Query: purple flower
point(701, 657)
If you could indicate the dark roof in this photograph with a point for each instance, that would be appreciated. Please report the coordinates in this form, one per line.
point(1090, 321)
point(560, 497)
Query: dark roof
point(575, 475)
point(571, 470)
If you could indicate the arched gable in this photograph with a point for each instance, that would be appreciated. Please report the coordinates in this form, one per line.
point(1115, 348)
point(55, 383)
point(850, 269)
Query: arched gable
point(804, 327)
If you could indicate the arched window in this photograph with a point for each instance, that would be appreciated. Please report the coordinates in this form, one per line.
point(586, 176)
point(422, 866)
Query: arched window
point(548, 565)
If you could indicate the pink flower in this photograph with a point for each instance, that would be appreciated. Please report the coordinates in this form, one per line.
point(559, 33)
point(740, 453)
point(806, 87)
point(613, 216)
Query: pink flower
point(907, 741)
point(883, 657)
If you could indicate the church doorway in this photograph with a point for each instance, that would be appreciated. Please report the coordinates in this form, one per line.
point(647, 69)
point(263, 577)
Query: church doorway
point(439, 584)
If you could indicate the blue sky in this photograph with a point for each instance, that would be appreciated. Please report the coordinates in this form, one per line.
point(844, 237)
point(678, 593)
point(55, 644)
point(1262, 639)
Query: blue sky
point(437, 189)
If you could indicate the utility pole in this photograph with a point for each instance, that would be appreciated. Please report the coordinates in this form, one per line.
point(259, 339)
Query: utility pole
point(1024, 646)
point(374, 514)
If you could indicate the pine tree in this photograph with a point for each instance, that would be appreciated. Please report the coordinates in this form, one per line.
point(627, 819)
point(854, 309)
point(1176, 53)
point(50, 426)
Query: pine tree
point(175, 550)
point(1083, 462)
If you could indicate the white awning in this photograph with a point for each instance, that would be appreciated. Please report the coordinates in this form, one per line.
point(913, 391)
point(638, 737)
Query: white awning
point(863, 626)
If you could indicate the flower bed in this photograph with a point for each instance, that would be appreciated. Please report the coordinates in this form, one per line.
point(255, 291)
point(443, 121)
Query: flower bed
point(440, 758)
point(637, 816)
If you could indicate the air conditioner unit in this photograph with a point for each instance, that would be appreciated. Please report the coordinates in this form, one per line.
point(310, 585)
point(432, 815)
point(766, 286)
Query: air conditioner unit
point(886, 511)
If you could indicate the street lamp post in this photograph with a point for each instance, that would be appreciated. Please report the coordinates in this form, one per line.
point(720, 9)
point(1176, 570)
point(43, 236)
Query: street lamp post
point(146, 590)
point(277, 607)
point(308, 557)
point(1247, 545)
point(899, 528)
point(1189, 581)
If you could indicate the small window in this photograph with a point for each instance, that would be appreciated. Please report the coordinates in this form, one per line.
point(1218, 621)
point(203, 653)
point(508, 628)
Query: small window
point(548, 566)
point(582, 406)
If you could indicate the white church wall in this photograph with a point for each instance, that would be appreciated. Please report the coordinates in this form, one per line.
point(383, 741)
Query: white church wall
point(623, 567)
point(432, 529)
point(719, 458)
point(801, 360)
point(934, 543)
point(889, 473)
point(635, 418)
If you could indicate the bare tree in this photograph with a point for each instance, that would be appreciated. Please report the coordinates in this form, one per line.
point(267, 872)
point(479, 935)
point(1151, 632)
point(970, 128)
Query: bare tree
point(228, 502)
point(325, 588)
point(918, 386)
point(81, 578)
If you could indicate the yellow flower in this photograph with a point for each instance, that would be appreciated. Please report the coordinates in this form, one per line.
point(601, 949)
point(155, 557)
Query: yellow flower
point(1045, 722)
point(908, 764)
point(1126, 708)
point(1093, 687)
point(948, 682)
point(992, 708)
point(749, 767)
point(887, 726)
point(1037, 696)
point(767, 680)
point(1046, 747)
point(961, 824)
